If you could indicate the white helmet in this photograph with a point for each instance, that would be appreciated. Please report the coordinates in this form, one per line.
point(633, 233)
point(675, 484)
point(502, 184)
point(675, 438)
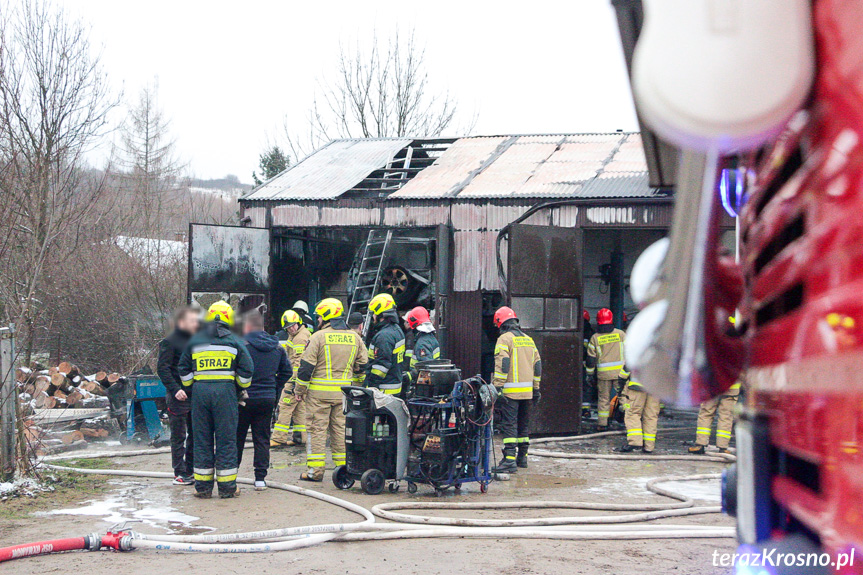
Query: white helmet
point(300, 304)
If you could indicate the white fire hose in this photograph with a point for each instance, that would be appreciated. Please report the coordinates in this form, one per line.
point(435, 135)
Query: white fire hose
point(405, 525)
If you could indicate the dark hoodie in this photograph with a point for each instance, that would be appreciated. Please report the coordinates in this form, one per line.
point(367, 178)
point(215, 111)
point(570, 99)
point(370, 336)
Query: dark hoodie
point(272, 368)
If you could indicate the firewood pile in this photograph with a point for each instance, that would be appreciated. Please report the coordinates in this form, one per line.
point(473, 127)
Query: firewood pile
point(63, 409)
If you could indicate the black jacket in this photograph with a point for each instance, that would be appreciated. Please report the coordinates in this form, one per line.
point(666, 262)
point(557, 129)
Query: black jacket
point(170, 350)
point(272, 369)
point(386, 353)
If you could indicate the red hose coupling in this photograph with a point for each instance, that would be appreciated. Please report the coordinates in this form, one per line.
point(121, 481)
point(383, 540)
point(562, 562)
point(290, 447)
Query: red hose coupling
point(117, 540)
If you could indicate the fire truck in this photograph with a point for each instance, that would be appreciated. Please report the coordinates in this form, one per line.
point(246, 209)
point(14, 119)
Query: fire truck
point(755, 107)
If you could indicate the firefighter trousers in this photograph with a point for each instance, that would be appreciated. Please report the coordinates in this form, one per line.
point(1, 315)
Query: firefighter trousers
point(325, 419)
point(603, 400)
point(724, 407)
point(514, 424)
point(290, 410)
point(214, 427)
point(641, 417)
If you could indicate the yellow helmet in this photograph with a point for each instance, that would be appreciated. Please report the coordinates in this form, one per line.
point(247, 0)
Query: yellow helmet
point(222, 311)
point(381, 303)
point(329, 308)
point(290, 317)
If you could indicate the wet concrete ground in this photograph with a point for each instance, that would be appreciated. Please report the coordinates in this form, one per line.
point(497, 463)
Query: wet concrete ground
point(165, 508)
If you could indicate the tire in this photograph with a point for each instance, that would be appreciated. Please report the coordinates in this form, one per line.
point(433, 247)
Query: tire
point(341, 479)
point(373, 482)
point(412, 487)
point(393, 487)
point(396, 281)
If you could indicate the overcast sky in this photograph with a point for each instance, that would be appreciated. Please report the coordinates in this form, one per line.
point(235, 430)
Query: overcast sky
point(229, 72)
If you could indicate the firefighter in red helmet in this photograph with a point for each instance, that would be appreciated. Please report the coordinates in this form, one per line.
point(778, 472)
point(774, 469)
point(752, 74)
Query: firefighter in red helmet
point(425, 344)
point(517, 372)
point(605, 359)
point(588, 393)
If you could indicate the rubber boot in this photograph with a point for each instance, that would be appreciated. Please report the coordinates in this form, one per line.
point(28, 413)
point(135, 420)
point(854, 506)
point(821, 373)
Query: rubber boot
point(313, 475)
point(298, 438)
point(626, 448)
point(697, 450)
point(521, 458)
point(507, 464)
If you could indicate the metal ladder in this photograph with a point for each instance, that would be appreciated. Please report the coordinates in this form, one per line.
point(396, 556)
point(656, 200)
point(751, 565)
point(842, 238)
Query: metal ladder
point(369, 274)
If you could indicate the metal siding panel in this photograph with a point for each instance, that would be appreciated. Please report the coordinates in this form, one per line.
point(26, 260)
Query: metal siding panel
point(330, 171)
point(331, 216)
point(416, 215)
point(465, 331)
point(257, 215)
point(467, 260)
point(295, 215)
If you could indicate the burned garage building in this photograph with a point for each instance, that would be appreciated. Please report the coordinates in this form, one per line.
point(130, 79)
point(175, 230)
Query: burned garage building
point(550, 224)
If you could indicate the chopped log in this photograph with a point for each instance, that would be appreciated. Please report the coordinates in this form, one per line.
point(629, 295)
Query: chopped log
point(42, 400)
point(113, 378)
point(100, 376)
point(65, 367)
point(25, 375)
point(93, 387)
point(94, 402)
point(42, 383)
point(94, 433)
point(59, 381)
point(72, 437)
point(73, 398)
point(52, 370)
point(29, 389)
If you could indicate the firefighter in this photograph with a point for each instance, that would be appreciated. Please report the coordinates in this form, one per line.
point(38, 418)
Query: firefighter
point(425, 345)
point(605, 361)
point(302, 309)
point(293, 337)
point(517, 372)
point(723, 407)
point(386, 348)
point(335, 356)
point(641, 416)
point(216, 363)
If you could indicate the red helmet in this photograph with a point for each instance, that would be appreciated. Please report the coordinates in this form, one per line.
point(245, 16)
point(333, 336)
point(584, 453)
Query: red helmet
point(417, 316)
point(586, 315)
point(502, 315)
point(604, 316)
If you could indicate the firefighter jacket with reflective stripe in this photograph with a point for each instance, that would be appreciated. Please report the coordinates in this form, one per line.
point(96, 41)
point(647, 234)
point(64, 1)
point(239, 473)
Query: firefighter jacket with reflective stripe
point(605, 354)
point(517, 365)
point(425, 347)
point(215, 354)
point(335, 356)
point(295, 346)
point(386, 354)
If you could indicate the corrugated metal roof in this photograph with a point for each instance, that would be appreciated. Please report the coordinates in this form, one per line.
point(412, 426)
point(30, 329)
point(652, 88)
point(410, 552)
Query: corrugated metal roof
point(552, 166)
point(331, 171)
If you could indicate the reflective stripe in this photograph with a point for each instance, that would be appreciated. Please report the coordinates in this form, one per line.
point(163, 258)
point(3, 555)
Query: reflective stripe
point(316, 459)
point(650, 436)
point(524, 440)
point(280, 427)
point(517, 387)
point(723, 434)
point(634, 432)
point(609, 365)
point(227, 377)
point(187, 377)
point(499, 348)
point(634, 384)
point(288, 399)
point(214, 347)
point(328, 384)
point(226, 478)
point(436, 353)
point(509, 456)
point(509, 440)
point(203, 471)
point(203, 477)
point(602, 413)
point(500, 375)
point(702, 431)
point(299, 428)
point(380, 370)
point(244, 382)
point(591, 370)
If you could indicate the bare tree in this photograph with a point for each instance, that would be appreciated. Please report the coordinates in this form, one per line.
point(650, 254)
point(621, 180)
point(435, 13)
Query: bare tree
point(54, 104)
point(379, 93)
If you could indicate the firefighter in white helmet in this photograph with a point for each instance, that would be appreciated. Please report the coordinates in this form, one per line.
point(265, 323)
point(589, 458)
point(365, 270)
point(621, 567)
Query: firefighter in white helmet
point(290, 427)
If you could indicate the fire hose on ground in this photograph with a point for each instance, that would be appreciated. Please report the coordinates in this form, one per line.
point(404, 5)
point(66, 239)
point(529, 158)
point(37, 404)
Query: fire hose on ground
point(410, 526)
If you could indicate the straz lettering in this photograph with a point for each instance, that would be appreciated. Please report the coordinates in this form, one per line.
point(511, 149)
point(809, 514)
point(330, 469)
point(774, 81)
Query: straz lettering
point(213, 363)
point(609, 338)
point(340, 338)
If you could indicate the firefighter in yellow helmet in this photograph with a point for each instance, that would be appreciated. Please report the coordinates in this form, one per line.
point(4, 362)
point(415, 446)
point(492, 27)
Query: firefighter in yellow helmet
point(334, 357)
point(387, 346)
point(293, 337)
point(215, 363)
